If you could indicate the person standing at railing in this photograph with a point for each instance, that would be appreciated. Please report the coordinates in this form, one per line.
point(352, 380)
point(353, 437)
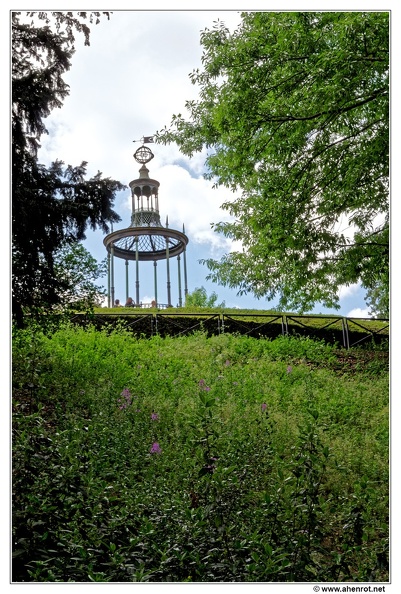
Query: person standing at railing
point(129, 302)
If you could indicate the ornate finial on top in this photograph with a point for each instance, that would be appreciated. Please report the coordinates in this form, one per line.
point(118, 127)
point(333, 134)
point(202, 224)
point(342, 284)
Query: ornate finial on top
point(144, 154)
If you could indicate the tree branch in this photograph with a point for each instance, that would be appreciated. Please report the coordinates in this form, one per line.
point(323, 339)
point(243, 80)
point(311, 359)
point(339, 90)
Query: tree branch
point(336, 111)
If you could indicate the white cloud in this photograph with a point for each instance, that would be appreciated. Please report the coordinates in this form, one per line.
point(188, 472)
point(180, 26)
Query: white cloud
point(357, 312)
point(348, 290)
point(104, 302)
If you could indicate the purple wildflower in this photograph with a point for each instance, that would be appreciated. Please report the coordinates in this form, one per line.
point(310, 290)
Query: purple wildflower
point(289, 369)
point(209, 468)
point(125, 399)
point(155, 449)
point(203, 386)
point(227, 363)
point(154, 416)
point(263, 406)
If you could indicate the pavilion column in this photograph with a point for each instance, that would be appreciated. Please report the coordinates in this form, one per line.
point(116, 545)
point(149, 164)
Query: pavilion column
point(185, 276)
point(108, 279)
point(126, 281)
point(137, 272)
point(168, 268)
point(179, 281)
point(155, 275)
point(185, 271)
point(112, 275)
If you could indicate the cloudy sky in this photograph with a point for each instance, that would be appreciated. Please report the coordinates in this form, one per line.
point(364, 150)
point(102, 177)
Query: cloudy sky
point(127, 85)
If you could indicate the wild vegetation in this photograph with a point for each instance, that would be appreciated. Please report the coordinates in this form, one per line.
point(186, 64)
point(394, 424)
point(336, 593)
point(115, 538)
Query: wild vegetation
point(197, 459)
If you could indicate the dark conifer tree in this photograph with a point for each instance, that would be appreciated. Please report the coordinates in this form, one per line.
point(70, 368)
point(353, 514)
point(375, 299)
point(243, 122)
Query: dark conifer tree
point(54, 205)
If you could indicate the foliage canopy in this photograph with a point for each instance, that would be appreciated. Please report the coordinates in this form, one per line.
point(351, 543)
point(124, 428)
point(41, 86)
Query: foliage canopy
point(50, 205)
point(293, 112)
point(77, 272)
point(200, 298)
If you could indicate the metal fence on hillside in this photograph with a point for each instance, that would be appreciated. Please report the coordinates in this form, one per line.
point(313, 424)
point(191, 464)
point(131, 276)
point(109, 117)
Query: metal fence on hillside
point(346, 332)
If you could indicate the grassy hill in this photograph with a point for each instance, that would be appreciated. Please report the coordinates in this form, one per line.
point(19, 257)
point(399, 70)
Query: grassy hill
point(197, 458)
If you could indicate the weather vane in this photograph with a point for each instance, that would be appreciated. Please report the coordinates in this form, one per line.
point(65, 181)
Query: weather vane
point(144, 154)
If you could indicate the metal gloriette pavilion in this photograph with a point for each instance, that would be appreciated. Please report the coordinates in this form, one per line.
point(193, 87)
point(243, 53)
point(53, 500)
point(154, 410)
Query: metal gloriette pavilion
point(146, 239)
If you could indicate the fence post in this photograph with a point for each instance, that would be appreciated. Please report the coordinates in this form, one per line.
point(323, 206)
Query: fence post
point(345, 333)
point(222, 323)
point(156, 328)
